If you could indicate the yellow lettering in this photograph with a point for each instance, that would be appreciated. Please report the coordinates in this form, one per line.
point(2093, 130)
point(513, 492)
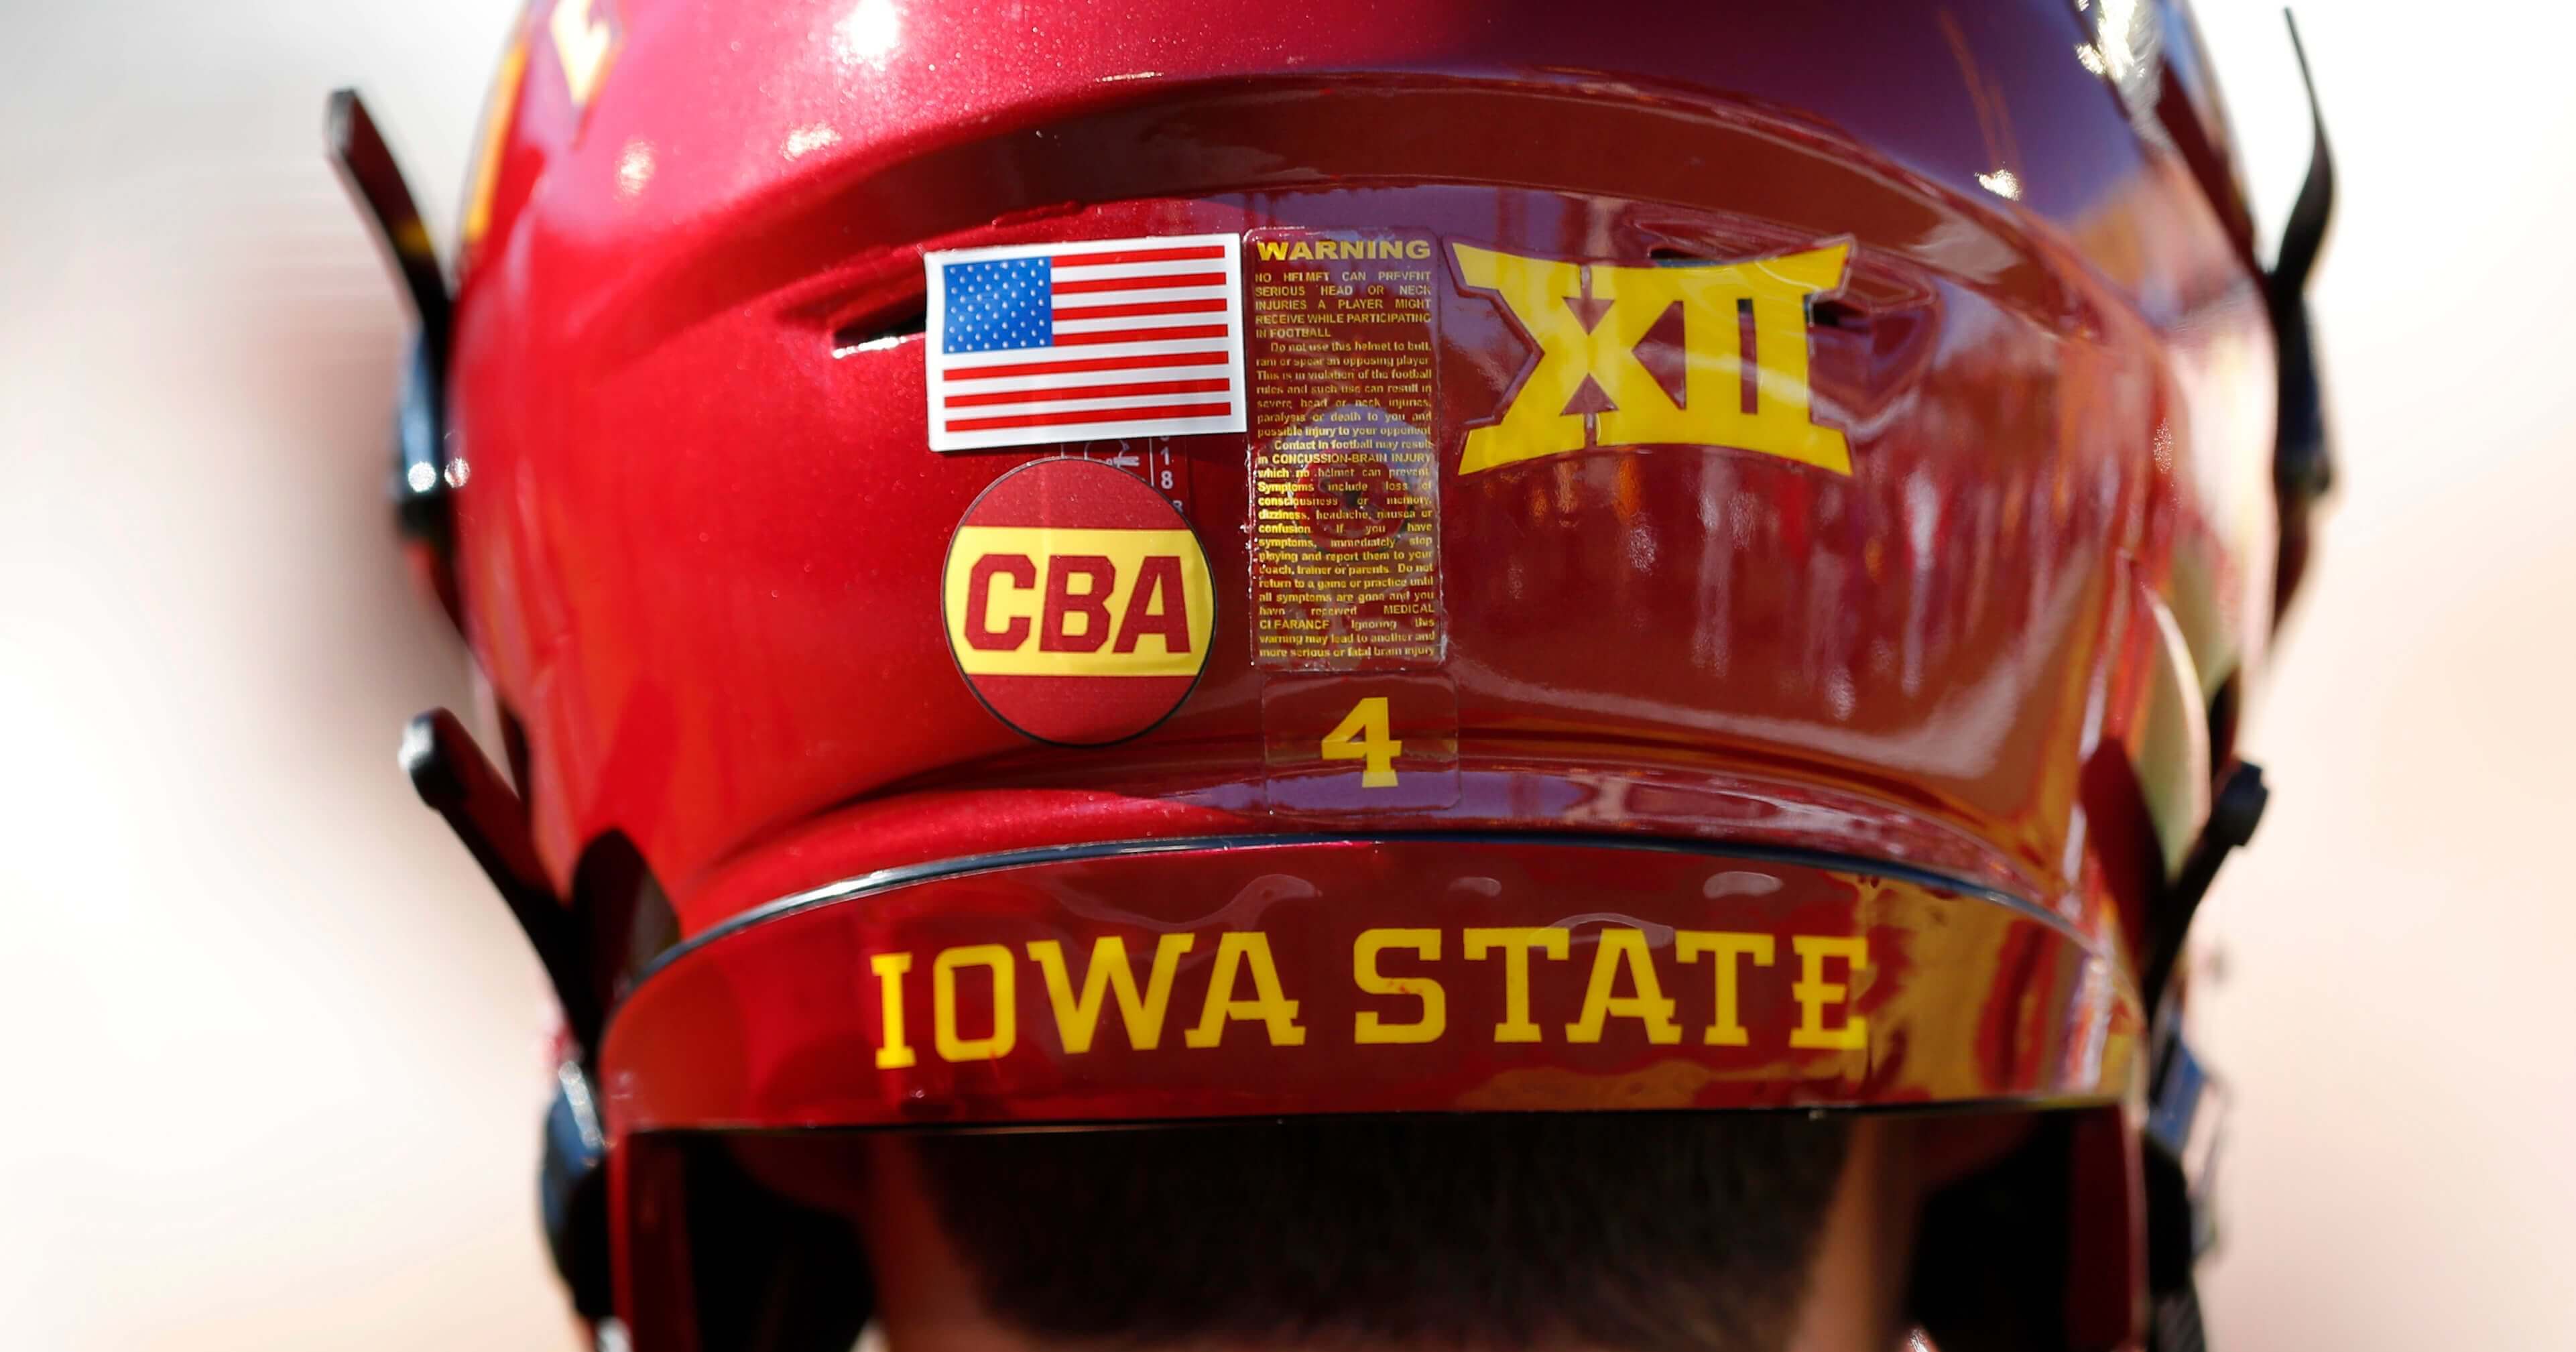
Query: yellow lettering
point(1774, 291)
point(1277, 1013)
point(1341, 250)
point(1642, 413)
point(1435, 1002)
point(1516, 945)
point(1617, 947)
point(1535, 291)
point(1782, 421)
point(1813, 992)
point(1362, 736)
point(1728, 947)
point(1011, 608)
point(1077, 1019)
point(894, 1053)
point(943, 1004)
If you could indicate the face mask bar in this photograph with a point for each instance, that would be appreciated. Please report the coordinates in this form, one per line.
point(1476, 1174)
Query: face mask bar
point(422, 477)
point(2303, 459)
point(455, 780)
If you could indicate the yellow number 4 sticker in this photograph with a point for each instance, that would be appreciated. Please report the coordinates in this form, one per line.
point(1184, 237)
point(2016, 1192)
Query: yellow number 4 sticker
point(1363, 737)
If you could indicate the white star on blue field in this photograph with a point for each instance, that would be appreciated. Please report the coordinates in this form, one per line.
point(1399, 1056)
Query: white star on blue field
point(1004, 303)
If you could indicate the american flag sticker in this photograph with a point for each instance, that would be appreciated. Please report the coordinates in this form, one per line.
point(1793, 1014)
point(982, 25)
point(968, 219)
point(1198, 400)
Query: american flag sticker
point(1035, 343)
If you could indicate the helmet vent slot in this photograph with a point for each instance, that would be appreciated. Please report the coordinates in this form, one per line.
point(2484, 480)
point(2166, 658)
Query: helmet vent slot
point(1835, 314)
point(883, 328)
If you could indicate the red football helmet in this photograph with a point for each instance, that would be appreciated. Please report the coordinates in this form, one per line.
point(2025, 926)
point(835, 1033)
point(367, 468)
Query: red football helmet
point(1200, 559)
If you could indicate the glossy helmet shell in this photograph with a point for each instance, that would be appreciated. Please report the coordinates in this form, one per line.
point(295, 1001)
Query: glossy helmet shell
point(1968, 677)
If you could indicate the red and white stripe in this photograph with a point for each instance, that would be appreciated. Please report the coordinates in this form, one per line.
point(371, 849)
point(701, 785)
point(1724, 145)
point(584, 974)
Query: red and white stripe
point(1148, 342)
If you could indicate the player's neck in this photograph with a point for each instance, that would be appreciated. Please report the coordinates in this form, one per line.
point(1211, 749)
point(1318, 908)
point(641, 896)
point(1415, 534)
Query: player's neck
point(1856, 1282)
point(927, 1301)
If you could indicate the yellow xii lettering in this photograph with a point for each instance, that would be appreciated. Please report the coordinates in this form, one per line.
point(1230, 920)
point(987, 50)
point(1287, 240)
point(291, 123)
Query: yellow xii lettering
point(1711, 411)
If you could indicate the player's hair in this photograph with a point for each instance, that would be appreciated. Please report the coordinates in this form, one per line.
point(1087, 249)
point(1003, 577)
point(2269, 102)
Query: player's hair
point(1653, 1233)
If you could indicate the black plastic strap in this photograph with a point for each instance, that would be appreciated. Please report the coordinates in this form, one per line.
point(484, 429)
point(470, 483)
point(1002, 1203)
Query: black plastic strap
point(2233, 815)
point(452, 776)
point(572, 1192)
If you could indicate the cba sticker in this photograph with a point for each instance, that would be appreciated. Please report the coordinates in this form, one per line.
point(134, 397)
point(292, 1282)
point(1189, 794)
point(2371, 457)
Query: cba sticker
point(1078, 602)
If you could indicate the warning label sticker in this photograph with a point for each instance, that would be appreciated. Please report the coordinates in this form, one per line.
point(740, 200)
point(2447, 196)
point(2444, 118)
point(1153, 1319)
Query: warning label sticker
point(1345, 472)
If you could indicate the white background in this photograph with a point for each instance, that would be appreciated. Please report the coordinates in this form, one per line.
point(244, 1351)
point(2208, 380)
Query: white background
point(269, 1049)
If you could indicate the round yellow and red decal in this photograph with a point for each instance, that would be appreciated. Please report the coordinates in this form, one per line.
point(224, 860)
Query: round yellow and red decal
point(1078, 602)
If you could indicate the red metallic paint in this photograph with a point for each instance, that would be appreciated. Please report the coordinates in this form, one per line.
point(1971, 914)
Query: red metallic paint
point(699, 546)
point(699, 549)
